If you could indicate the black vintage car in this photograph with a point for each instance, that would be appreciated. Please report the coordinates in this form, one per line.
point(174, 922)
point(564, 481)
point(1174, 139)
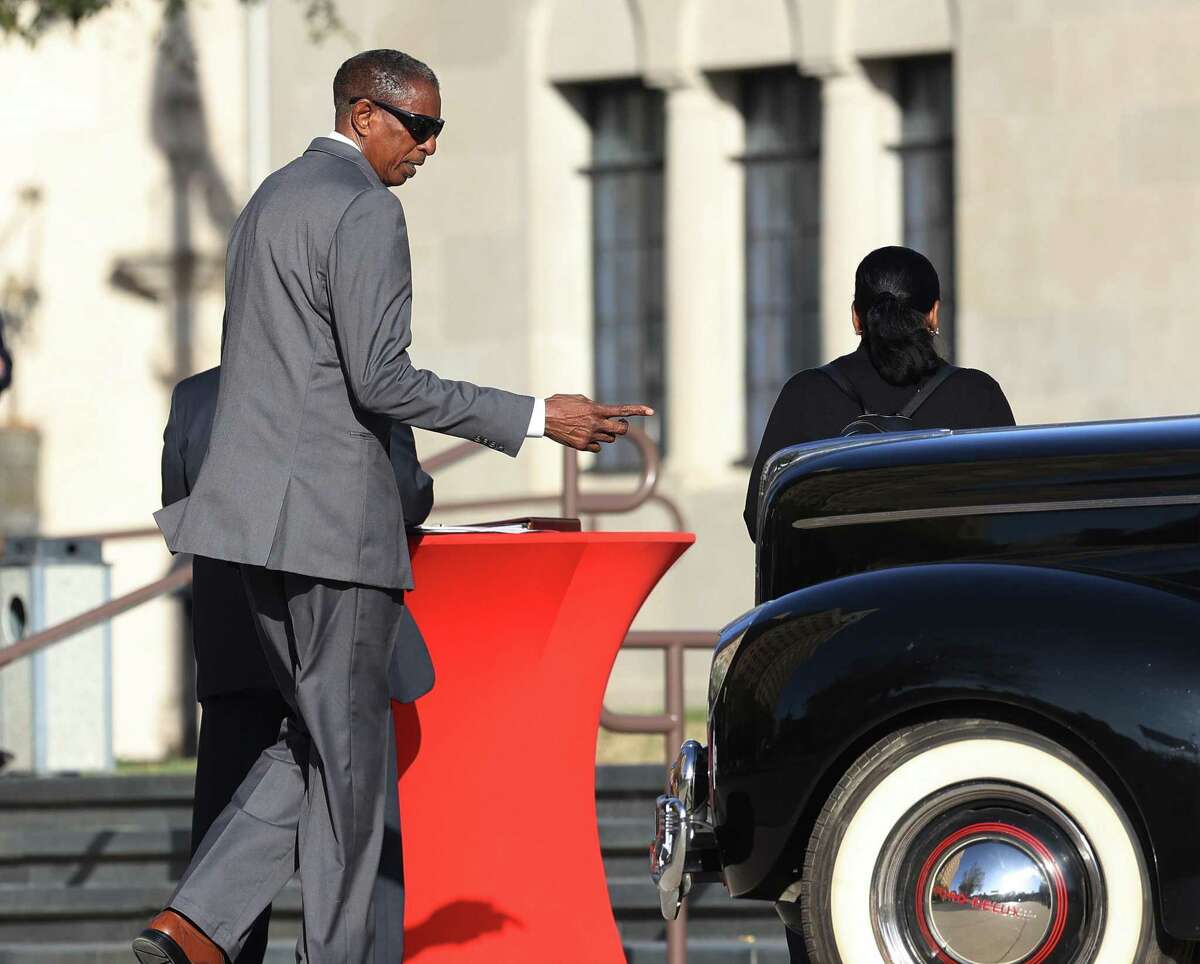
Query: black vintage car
point(963, 722)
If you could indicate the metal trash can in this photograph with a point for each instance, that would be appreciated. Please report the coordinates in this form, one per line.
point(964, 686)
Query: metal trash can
point(56, 704)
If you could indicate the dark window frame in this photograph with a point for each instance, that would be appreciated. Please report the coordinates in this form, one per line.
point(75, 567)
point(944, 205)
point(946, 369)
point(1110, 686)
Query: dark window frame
point(781, 255)
point(627, 174)
point(924, 91)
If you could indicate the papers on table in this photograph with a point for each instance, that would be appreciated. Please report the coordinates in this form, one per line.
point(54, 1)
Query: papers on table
point(438, 530)
point(504, 526)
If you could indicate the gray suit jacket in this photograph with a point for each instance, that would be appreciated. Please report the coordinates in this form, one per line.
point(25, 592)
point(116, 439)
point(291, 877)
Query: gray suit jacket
point(314, 366)
point(229, 658)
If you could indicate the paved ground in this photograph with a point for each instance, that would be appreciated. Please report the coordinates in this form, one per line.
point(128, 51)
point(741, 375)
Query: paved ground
point(987, 936)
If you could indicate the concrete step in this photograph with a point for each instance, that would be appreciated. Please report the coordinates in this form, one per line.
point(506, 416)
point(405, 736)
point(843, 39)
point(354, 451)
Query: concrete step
point(96, 855)
point(172, 837)
point(107, 802)
point(72, 792)
point(627, 808)
point(154, 802)
point(98, 818)
point(628, 792)
point(707, 951)
point(637, 894)
point(625, 846)
point(116, 855)
point(630, 866)
point(85, 861)
point(712, 913)
point(283, 952)
point(627, 833)
point(113, 952)
point(626, 779)
point(89, 915)
point(115, 843)
point(45, 914)
point(738, 930)
point(615, 781)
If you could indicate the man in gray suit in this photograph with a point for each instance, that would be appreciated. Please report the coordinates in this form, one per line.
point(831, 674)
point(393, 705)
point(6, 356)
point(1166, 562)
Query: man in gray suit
point(243, 708)
point(297, 488)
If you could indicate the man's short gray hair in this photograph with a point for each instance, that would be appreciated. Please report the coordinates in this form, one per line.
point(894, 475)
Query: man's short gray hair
point(386, 75)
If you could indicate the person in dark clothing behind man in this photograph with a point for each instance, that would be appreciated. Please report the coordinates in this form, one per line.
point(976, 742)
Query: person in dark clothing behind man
point(242, 705)
point(895, 313)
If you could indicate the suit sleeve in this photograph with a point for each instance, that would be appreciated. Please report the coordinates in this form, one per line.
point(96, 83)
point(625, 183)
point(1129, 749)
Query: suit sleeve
point(370, 294)
point(174, 478)
point(415, 484)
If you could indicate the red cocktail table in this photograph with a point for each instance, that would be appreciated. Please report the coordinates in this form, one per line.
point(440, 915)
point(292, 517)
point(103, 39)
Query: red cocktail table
point(497, 764)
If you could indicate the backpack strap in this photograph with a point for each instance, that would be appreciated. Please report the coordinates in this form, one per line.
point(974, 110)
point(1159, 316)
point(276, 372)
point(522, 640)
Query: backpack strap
point(927, 388)
point(832, 372)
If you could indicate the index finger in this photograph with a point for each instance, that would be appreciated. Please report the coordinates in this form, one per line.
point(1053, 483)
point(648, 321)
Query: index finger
point(623, 411)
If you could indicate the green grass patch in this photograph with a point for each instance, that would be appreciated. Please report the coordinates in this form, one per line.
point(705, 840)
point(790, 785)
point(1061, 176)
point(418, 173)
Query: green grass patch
point(182, 764)
point(649, 747)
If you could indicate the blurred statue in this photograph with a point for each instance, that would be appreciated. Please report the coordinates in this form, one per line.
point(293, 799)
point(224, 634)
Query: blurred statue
point(20, 245)
point(172, 273)
point(5, 360)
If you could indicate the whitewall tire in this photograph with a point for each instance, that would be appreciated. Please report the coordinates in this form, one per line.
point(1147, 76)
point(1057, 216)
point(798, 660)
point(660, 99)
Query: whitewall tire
point(975, 842)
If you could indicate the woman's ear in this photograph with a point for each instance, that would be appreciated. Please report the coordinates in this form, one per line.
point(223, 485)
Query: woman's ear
point(932, 318)
point(857, 322)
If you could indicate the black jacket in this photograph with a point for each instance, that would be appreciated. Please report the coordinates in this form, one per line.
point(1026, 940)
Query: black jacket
point(228, 655)
point(811, 407)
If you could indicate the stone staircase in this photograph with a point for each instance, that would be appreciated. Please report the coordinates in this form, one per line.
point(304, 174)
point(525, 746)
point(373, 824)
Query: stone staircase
point(85, 861)
point(720, 930)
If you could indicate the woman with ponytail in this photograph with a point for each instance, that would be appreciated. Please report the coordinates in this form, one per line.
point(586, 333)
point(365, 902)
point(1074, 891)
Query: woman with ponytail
point(895, 313)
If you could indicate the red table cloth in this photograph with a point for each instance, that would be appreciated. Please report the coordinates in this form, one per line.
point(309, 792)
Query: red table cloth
point(497, 763)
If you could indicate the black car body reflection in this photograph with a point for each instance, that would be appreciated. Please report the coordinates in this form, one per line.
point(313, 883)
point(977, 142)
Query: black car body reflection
point(1043, 577)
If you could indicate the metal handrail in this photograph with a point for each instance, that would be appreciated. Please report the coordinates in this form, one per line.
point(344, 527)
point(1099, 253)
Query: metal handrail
point(670, 723)
point(179, 577)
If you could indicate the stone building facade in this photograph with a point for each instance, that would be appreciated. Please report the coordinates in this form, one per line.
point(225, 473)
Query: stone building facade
point(655, 198)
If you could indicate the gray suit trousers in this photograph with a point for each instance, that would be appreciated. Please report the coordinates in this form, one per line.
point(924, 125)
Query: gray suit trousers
point(314, 800)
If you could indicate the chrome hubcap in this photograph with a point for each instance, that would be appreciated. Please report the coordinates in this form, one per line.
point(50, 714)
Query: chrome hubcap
point(988, 874)
point(989, 898)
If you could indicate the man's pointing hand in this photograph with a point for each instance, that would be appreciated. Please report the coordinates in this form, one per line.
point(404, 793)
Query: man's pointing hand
point(577, 421)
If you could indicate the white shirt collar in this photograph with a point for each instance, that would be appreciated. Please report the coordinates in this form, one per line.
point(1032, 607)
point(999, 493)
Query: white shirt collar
point(335, 135)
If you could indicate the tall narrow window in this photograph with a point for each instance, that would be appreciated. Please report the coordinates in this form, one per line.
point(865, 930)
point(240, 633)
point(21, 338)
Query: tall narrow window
point(926, 95)
point(627, 254)
point(783, 234)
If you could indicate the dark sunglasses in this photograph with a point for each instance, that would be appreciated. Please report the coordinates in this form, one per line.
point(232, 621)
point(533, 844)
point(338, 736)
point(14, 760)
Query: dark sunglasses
point(421, 126)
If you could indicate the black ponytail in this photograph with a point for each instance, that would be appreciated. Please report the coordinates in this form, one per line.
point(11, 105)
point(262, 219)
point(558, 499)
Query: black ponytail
point(894, 291)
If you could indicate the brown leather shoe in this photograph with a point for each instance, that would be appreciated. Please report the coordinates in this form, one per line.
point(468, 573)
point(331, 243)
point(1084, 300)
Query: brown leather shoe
point(173, 939)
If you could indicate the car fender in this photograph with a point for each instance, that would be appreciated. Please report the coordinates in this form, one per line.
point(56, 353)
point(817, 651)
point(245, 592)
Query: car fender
point(1108, 666)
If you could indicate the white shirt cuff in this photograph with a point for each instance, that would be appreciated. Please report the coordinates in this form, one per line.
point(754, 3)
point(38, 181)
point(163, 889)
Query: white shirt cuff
point(537, 420)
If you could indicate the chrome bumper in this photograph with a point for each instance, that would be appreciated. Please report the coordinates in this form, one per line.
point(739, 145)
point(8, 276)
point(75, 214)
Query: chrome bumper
point(684, 847)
